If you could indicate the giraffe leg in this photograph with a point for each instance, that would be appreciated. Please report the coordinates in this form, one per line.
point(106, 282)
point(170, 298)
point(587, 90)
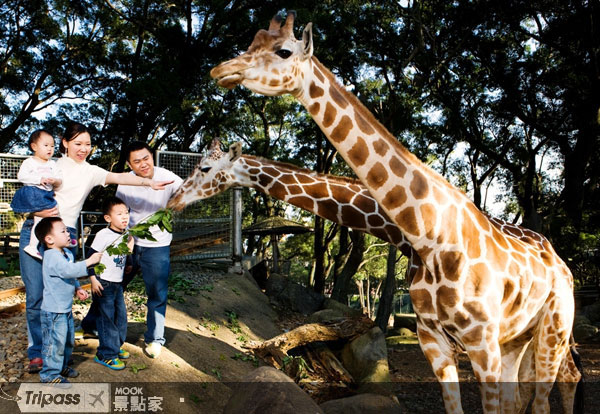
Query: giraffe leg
point(486, 364)
point(441, 355)
point(552, 345)
point(512, 354)
point(526, 378)
point(568, 378)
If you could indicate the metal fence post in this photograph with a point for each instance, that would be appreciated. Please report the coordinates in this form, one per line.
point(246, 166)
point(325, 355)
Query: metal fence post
point(236, 229)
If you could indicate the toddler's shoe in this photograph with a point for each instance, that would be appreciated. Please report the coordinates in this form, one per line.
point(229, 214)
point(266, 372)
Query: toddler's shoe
point(153, 349)
point(32, 251)
point(69, 373)
point(115, 363)
point(123, 354)
point(58, 382)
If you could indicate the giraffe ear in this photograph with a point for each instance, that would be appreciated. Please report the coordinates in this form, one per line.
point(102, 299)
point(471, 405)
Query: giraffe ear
point(307, 41)
point(235, 151)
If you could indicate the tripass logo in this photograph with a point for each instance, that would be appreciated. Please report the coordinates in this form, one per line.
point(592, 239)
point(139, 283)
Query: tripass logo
point(82, 397)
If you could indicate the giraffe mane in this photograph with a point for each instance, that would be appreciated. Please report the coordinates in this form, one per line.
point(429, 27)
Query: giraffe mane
point(295, 169)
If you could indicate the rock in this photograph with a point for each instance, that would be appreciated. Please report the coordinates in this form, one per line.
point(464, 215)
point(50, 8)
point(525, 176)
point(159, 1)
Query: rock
point(268, 390)
point(324, 316)
point(583, 331)
point(366, 359)
point(340, 307)
point(293, 295)
point(581, 320)
point(592, 312)
point(408, 321)
point(362, 404)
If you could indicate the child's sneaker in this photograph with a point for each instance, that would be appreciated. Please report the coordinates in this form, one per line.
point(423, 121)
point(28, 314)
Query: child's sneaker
point(153, 349)
point(115, 363)
point(32, 251)
point(58, 382)
point(69, 373)
point(123, 354)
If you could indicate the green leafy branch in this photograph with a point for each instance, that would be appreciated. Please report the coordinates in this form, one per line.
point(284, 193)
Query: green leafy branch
point(162, 218)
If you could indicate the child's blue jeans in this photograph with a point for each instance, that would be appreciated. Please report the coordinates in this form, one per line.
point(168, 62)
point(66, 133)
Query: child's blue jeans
point(58, 339)
point(112, 320)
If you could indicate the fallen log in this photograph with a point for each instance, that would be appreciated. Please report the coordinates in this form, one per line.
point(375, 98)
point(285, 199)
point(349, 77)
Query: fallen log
point(275, 349)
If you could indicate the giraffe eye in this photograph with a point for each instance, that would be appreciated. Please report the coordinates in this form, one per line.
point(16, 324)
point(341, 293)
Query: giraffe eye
point(284, 53)
point(204, 170)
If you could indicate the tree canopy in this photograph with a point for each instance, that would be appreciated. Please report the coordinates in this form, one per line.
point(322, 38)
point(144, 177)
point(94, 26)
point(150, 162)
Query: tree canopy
point(501, 95)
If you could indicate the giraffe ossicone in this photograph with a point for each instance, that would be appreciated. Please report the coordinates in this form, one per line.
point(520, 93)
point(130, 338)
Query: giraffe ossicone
point(486, 291)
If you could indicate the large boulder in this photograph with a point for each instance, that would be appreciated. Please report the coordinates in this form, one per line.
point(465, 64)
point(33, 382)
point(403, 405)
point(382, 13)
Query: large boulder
point(406, 320)
point(293, 295)
point(366, 360)
point(582, 332)
point(340, 307)
point(268, 390)
point(592, 312)
point(362, 404)
point(325, 315)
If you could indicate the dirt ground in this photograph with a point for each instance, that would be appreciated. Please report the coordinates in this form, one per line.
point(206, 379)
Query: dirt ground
point(206, 331)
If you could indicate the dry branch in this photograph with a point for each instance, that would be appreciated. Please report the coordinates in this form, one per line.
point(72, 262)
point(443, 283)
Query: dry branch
point(275, 349)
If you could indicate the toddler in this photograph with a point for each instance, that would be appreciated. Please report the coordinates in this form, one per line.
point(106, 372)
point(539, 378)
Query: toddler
point(40, 176)
point(60, 273)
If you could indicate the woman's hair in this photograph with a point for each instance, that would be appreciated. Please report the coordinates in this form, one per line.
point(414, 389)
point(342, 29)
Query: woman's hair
point(73, 130)
point(35, 136)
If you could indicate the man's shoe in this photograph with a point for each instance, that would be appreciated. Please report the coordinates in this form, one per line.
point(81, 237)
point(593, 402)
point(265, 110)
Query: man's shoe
point(153, 349)
point(35, 365)
point(115, 363)
point(69, 373)
point(123, 354)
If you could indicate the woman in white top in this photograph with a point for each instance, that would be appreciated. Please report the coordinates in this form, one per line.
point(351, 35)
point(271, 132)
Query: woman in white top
point(78, 179)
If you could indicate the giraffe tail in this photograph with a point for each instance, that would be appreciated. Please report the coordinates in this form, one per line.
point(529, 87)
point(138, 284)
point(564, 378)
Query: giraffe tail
point(578, 404)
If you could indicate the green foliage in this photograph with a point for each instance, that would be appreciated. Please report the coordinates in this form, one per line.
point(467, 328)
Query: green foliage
point(162, 218)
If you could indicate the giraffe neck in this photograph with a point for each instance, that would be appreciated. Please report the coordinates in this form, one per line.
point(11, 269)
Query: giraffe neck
point(344, 201)
point(420, 201)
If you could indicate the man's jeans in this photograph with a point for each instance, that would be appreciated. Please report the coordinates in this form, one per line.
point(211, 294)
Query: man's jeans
point(155, 265)
point(58, 340)
point(112, 320)
point(31, 274)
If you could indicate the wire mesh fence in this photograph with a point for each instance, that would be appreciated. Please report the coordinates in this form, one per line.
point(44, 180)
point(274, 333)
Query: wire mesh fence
point(200, 231)
point(203, 229)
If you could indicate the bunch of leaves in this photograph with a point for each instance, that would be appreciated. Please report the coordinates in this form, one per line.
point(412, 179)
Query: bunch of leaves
point(162, 218)
point(246, 358)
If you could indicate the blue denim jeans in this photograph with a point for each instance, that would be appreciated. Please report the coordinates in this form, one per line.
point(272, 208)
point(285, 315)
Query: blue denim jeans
point(58, 340)
point(31, 274)
point(112, 319)
point(155, 265)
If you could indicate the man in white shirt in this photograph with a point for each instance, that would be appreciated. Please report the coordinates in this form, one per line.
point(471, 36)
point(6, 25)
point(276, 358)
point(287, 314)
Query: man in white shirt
point(152, 257)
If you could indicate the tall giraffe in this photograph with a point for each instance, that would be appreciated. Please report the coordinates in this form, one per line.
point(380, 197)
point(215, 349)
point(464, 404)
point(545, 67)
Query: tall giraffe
point(342, 200)
point(487, 291)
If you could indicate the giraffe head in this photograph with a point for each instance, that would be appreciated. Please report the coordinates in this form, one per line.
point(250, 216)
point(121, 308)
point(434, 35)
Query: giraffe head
point(211, 176)
point(272, 64)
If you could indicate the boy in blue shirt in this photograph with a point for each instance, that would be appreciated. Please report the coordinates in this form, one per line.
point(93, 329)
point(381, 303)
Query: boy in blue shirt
point(60, 273)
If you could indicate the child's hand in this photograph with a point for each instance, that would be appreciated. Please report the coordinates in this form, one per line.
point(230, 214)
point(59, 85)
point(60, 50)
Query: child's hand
point(47, 181)
point(130, 243)
point(128, 269)
point(93, 259)
point(82, 294)
point(96, 287)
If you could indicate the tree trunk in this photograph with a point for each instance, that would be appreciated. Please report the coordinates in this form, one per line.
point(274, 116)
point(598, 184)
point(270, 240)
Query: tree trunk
point(387, 296)
point(342, 287)
point(319, 255)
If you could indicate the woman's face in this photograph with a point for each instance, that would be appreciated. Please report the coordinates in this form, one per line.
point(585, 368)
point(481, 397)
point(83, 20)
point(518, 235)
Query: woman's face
point(79, 148)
